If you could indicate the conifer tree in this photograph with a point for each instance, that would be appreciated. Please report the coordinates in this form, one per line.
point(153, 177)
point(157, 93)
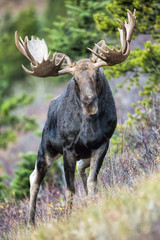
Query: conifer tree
point(73, 33)
point(144, 61)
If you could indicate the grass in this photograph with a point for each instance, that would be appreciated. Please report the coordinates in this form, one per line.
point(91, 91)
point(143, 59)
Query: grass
point(127, 206)
point(120, 214)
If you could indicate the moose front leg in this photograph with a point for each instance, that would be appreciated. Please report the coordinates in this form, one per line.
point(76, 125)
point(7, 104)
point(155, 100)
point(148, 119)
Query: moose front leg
point(35, 180)
point(42, 165)
point(69, 169)
point(95, 165)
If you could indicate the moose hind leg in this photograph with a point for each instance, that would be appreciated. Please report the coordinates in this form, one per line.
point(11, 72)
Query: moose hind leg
point(81, 167)
point(95, 165)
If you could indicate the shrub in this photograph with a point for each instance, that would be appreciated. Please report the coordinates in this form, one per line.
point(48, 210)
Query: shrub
point(79, 32)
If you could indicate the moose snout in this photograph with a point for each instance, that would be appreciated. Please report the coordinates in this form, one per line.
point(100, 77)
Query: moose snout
point(89, 98)
point(90, 106)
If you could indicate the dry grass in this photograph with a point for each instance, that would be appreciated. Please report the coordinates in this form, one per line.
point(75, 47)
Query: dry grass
point(128, 203)
point(120, 215)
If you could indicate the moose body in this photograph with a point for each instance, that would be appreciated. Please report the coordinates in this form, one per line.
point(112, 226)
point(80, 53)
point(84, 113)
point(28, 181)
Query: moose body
point(82, 120)
point(76, 136)
point(67, 128)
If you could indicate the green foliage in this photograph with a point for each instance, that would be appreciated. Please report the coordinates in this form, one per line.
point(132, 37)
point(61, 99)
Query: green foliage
point(11, 118)
point(72, 34)
point(12, 121)
point(54, 8)
point(141, 62)
point(147, 15)
point(117, 140)
point(21, 185)
point(4, 190)
point(25, 23)
point(2, 186)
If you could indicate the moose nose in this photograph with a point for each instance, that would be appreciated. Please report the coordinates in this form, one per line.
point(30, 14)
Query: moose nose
point(90, 106)
point(90, 99)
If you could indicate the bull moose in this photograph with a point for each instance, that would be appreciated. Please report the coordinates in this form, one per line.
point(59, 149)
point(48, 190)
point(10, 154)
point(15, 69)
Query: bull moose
point(82, 120)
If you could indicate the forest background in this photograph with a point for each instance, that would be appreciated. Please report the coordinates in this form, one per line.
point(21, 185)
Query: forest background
point(70, 26)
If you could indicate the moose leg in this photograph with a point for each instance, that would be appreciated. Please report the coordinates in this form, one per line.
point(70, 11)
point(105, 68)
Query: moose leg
point(42, 165)
point(81, 167)
point(95, 165)
point(35, 180)
point(69, 169)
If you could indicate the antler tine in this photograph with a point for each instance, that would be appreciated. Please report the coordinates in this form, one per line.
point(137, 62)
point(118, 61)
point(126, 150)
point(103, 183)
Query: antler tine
point(20, 46)
point(130, 25)
point(61, 61)
point(98, 55)
point(123, 35)
point(28, 71)
point(101, 49)
point(54, 56)
point(26, 40)
point(110, 56)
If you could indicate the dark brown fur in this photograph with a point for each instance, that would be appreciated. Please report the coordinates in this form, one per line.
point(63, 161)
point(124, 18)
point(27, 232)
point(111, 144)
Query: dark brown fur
point(79, 125)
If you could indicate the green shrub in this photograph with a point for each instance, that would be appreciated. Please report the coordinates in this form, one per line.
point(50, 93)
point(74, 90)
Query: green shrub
point(20, 185)
point(141, 62)
point(11, 122)
point(79, 33)
point(26, 23)
point(147, 15)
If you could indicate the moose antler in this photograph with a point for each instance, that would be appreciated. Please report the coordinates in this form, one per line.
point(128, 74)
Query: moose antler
point(36, 51)
point(113, 56)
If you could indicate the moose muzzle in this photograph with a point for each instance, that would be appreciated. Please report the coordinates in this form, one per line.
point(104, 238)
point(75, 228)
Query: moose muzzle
point(90, 106)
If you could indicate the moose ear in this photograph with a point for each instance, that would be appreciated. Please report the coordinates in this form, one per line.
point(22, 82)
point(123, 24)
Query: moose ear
point(67, 62)
point(101, 44)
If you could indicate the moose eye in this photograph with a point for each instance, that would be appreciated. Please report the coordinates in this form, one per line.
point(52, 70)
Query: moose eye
point(76, 83)
point(97, 77)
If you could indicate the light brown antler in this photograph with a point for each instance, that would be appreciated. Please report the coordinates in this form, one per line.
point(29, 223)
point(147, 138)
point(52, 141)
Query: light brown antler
point(36, 51)
point(110, 56)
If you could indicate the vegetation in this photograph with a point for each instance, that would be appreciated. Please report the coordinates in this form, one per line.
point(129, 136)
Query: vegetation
point(10, 60)
point(147, 15)
point(141, 61)
point(10, 122)
point(12, 119)
point(26, 23)
point(127, 205)
point(20, 185)
point(115, 214)
point(79, 32)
